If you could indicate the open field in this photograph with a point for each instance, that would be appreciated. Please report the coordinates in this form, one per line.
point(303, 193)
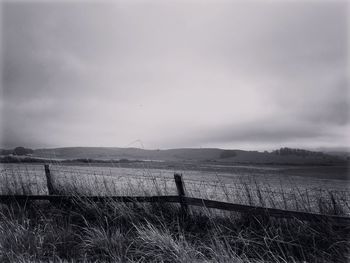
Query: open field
point(267, 186)
point(117, 232)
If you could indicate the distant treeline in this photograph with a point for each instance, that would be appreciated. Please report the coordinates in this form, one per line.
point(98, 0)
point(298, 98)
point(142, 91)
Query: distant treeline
point(88, 160)
point(285, 151)
point(298, 152)
point(15, 159)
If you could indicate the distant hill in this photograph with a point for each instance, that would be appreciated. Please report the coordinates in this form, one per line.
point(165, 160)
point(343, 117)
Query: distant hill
point(336, 151)
point(107, 153)
point(280, 156)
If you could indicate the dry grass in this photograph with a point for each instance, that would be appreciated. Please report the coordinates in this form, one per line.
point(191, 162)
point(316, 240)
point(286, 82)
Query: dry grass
point(116, 232)
point(135, 232)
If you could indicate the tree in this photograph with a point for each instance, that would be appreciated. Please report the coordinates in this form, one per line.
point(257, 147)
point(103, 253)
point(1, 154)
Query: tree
point(22, 151)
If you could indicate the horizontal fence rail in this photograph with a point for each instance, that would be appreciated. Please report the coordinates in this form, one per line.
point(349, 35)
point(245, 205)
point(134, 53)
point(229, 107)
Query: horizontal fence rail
point(69, 198)
point(185, 201)
point(279, 213)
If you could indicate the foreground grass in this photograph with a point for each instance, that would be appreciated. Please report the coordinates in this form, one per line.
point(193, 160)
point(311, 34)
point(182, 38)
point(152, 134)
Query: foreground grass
point(116, 232)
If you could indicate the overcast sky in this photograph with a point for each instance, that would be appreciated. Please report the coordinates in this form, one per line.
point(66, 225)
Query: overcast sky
point(249, 75)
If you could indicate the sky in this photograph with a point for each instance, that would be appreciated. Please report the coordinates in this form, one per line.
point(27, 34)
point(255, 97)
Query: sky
point(169, 74)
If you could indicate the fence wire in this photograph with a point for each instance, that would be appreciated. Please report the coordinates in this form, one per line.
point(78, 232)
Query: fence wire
point(103, 181)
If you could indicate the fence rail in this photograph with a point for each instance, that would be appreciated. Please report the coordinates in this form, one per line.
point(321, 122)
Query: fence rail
point(255, 210)
point(181, 199)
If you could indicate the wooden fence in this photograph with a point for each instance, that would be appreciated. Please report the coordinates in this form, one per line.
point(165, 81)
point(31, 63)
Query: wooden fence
point(181, 199)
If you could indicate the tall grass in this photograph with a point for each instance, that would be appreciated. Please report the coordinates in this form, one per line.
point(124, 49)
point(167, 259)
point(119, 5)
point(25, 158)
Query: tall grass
point(85, 231)
point(116, 232)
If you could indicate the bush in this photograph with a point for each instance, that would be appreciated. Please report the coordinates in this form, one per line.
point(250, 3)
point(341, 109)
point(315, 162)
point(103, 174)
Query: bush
point(22, 151)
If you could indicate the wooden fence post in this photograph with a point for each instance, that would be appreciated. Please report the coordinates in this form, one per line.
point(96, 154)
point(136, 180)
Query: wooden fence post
point(48, 180)
point(181, 192)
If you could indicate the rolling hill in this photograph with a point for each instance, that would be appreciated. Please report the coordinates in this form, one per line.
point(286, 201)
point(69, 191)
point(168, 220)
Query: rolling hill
point(281, 156)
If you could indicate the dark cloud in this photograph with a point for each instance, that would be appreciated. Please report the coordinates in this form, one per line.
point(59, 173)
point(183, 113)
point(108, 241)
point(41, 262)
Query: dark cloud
point(250, 74)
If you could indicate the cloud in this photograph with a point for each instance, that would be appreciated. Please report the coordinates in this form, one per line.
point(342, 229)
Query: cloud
point(175, 74)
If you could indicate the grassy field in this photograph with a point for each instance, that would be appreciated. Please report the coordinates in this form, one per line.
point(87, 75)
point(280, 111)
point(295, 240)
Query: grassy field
point(116, 232)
